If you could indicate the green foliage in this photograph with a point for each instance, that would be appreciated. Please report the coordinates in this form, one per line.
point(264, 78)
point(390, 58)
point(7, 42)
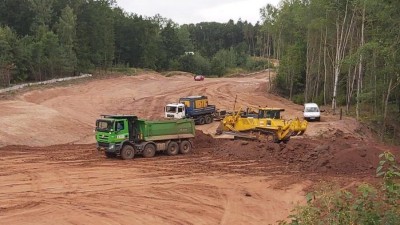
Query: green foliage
point(367, 205)
point(235, 71)
point(298, 99)
point(8, 48)
point(95, 35)
point(66, 31)
point(17, 14)
point(320, 45)
point(196, 64)
point(184, 39)
point(223, 60)
point(125, 69)
point(43, 10)
point(171, 47)
point(257, 64)
point(55, 38)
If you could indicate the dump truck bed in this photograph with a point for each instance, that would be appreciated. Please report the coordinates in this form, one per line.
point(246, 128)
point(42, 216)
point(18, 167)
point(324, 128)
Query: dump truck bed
point(165, 129)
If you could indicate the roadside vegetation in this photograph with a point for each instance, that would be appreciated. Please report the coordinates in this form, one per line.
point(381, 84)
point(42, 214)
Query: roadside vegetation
point(366, 205)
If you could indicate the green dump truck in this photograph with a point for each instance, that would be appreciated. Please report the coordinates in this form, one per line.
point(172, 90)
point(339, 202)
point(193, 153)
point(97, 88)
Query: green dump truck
point(127, 136)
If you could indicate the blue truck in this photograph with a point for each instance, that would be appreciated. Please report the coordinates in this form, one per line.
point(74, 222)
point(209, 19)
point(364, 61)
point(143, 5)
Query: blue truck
point(193, 107)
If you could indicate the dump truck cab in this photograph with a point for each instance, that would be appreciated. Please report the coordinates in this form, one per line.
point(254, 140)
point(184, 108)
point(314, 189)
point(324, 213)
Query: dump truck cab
point(175, 110)
point(193, 107)
point(113, 130)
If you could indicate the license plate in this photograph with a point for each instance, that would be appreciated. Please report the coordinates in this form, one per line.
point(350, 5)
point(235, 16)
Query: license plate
point(312, 118)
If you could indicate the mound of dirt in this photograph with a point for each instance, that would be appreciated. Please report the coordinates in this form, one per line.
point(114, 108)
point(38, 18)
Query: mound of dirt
point(178, 73)
point(203, 140)
point(340, 154)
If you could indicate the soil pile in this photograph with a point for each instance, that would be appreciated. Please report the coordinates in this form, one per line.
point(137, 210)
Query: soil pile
point(203, 140)
point(340, 154)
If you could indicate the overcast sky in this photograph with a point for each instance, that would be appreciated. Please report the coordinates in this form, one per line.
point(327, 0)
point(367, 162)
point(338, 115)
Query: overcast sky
point(195, 11)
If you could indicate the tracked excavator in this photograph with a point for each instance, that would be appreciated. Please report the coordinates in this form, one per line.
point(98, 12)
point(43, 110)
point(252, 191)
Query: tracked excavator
point(262, 124)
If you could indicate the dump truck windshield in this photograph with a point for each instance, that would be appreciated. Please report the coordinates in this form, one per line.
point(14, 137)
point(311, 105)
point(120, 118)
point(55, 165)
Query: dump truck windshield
point(171, 109)
point(103, 125)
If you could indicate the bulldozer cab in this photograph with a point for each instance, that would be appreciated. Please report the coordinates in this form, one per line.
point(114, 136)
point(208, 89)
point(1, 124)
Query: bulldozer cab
point(270, 113)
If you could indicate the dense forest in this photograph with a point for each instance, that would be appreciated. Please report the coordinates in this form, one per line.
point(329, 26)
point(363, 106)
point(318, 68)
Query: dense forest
point(342, 53)
point(43, 39)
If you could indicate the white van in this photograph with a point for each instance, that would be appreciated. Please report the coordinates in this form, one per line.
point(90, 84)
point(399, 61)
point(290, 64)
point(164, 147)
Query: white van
point(311, 112)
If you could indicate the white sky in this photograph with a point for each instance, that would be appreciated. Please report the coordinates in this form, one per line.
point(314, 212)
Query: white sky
point(195, 11)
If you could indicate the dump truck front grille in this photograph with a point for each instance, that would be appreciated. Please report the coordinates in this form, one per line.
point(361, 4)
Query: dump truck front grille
point(102, 144)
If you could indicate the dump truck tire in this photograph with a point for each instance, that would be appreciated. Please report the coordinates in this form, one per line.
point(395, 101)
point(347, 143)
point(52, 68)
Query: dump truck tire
point(208, 119)
point(127, 152)
point(202, 120)
point(149, 151)
point(173, 148)
point(185, 147)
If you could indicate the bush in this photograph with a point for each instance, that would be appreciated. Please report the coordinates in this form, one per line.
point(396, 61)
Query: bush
point(222, 61)
point(298, 99)
point(196, 64)
point(257, 64)
point(368, 205)
point(125, 69)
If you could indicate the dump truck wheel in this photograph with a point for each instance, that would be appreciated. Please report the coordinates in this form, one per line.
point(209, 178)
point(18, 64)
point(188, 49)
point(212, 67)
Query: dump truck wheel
point(208, 119)
point(185, 147)
point(202, 121)
point(127, 152)
point(110, 154)
point(149, 151)
point(173, 148)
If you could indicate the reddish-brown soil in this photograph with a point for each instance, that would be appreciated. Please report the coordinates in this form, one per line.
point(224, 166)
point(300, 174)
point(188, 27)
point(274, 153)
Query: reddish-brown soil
point(51, 172)
point(338, 155)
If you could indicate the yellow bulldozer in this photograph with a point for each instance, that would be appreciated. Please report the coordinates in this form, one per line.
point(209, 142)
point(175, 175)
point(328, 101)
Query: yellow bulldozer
point(263, 124)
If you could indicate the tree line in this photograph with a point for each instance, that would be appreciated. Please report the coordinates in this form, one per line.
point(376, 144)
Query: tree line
point(44, 39)
point(342, 53)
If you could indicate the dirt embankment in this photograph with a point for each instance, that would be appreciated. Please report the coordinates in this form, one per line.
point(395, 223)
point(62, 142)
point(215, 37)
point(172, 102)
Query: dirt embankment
point(339, 154)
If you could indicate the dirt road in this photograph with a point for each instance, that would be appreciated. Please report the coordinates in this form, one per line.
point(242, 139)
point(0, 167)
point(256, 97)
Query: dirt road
point(220, 183)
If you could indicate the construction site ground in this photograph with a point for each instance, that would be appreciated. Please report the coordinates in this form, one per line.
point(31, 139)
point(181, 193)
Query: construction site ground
point(51, 172)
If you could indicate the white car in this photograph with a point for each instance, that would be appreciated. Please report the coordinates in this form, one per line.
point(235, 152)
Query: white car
point(311, 112)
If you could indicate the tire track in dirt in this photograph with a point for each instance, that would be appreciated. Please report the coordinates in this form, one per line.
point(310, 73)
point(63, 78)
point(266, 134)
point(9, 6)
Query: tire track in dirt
point(75, 184)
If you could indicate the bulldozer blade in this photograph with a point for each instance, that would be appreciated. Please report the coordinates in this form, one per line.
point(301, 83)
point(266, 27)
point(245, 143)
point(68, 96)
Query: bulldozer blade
point(238, 135)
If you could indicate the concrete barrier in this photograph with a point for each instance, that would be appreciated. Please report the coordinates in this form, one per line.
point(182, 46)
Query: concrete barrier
point(20, 86)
